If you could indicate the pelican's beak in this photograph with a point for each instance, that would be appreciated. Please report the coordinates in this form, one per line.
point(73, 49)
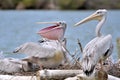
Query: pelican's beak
point(50, 28)
point(47, 29)
point(47, 22)
point(54, 32)
point(94, 16)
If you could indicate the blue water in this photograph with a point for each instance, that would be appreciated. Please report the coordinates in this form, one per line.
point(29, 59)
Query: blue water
point(18, 27)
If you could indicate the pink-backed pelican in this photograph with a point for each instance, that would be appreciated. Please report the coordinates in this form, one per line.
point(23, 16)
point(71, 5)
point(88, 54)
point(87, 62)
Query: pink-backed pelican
point(99, 48)
point(49, 53)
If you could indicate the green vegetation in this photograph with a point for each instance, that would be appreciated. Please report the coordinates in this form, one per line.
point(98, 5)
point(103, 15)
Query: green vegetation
point(59, 4)
point(71, 4)
point(28, 3)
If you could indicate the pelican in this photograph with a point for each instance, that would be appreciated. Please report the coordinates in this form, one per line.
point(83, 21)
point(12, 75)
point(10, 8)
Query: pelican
point(99, 48)
point(47, 53)
point(11, 65)
point(55, 32)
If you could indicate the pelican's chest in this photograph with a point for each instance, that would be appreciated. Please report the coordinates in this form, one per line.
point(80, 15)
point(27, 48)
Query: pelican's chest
point(59, 56)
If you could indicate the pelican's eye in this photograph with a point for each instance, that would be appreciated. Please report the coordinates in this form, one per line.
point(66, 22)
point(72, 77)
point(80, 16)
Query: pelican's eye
point(99, 12)
point(60, 22)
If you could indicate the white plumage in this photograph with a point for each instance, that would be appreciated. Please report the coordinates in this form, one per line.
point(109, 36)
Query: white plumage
point(8, 65)
point(47, 53)
point(99, 48)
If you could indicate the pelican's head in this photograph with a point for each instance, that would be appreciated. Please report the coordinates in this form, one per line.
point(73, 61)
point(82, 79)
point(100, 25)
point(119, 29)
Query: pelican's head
point(55, 32)
point(98, 15)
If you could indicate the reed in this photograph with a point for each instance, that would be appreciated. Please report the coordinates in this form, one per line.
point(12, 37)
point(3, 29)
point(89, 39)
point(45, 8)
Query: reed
point(118, 47)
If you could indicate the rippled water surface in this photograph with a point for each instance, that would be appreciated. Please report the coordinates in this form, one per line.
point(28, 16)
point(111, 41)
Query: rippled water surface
point(18, 27)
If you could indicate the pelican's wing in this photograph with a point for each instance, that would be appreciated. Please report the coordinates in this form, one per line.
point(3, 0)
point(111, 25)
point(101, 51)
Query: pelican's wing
point(94, 51)
point(104, 47)
point(34, 49)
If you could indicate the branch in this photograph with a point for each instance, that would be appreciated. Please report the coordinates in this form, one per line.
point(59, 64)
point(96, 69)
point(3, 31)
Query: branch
point(97, 75)
point(57, 74)
point(80, 45)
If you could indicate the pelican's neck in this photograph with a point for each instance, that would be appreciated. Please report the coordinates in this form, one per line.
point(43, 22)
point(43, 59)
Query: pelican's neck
point(99, 26)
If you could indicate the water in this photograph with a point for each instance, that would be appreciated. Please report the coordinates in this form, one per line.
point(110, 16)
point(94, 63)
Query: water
point(18, 27)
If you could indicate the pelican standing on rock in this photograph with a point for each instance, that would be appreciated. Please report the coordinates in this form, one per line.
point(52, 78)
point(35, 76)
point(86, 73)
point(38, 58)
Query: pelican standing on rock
point(99, 48)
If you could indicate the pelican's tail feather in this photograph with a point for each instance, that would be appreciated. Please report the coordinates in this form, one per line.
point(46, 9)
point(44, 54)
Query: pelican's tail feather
point(17, 50)
point(88, 65)
point(89, 72)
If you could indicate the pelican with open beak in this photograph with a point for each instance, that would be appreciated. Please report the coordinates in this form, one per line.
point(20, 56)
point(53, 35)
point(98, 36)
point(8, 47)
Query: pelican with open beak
point(55, 32)
point(99, 48)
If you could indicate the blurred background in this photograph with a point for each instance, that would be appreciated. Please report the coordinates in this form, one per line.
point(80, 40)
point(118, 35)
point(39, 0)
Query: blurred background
point(59, 4)
point(18, 22)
